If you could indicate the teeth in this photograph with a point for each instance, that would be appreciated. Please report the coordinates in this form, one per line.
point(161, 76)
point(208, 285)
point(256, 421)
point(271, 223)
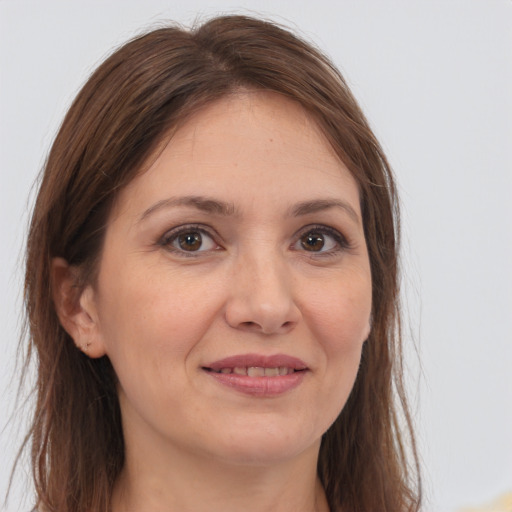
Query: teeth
point(256, 371)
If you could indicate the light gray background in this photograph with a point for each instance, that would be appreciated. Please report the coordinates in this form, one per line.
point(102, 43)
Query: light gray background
point(435, 79)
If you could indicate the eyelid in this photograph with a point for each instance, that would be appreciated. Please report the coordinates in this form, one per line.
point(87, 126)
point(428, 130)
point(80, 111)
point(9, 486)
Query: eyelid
point(338, 236)
point(172, 234)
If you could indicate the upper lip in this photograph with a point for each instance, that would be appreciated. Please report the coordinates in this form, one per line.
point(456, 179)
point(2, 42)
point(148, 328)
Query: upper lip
point(257, 360)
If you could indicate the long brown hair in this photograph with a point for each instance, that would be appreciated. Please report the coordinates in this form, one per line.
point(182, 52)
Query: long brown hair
point(132, 101)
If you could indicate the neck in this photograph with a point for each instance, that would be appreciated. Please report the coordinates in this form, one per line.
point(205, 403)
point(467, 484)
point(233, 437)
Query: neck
point(171, 481)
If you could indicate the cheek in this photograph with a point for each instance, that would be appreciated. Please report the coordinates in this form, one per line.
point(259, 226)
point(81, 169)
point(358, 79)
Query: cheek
point(150, 302)
point(151, 323)
point(339, 319)
point(339, 312)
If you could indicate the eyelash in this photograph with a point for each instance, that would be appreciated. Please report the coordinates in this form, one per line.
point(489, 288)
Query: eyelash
point(171, 236)
point(340, 240)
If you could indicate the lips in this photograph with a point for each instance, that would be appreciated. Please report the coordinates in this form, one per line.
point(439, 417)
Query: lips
point(259, 375)
point(257, 361)
point(257, 371)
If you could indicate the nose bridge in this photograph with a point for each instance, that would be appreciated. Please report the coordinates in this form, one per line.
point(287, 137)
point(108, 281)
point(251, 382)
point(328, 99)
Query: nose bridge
point(270, 279)
point(262, 297)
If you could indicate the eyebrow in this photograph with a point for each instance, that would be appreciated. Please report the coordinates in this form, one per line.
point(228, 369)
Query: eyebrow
point(201, 203)
point(318, 205)
point(216, 207)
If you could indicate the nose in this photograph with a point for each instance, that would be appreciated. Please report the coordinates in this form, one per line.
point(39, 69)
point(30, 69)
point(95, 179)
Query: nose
point(261, 298)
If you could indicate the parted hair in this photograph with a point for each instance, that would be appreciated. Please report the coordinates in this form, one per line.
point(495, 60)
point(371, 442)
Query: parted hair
point(129, 105)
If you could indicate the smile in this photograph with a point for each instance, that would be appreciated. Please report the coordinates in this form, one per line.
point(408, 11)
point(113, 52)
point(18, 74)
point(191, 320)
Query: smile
point(257, 371)
point(258, 375)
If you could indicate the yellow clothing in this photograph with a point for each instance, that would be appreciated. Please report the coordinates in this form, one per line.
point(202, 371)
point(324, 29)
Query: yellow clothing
point(502, 504)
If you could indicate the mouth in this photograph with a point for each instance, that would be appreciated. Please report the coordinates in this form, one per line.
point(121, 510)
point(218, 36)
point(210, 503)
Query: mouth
point(258, 375)
point(256, 371)
point(257, 365)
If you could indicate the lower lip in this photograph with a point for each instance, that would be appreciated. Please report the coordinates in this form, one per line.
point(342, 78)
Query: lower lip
point(259, 386)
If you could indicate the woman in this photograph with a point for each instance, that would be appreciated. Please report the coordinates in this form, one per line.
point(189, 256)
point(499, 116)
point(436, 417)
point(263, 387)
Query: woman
point(211, 286)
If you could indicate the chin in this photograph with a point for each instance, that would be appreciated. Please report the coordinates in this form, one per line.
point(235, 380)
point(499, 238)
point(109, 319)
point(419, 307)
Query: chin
point(265, 445)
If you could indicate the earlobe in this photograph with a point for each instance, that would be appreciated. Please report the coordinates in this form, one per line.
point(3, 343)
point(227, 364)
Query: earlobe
point(76, 308)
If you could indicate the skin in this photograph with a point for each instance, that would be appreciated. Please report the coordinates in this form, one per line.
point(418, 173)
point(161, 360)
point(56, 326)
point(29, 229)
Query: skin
point(251, 285)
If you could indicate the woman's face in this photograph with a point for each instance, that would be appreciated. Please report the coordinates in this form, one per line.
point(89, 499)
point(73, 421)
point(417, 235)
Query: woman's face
point(234, 289)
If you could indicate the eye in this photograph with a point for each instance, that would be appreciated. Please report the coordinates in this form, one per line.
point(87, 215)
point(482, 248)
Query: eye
point(189, 240)
point(320, 239)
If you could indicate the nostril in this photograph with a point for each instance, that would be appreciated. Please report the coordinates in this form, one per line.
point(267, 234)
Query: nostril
point(261, 317)
point(250, 325)
point(266, 329)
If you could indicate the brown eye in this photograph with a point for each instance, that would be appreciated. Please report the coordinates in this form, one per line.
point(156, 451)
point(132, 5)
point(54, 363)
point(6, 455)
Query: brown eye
point(320, 240)
point(190, 241)
point(187, 240)
point(313, 241)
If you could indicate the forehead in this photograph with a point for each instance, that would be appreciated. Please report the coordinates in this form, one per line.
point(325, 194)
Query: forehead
point(244, 146)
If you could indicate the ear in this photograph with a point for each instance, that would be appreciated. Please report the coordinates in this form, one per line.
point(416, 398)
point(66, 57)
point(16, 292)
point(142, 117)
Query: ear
point(76, 308)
